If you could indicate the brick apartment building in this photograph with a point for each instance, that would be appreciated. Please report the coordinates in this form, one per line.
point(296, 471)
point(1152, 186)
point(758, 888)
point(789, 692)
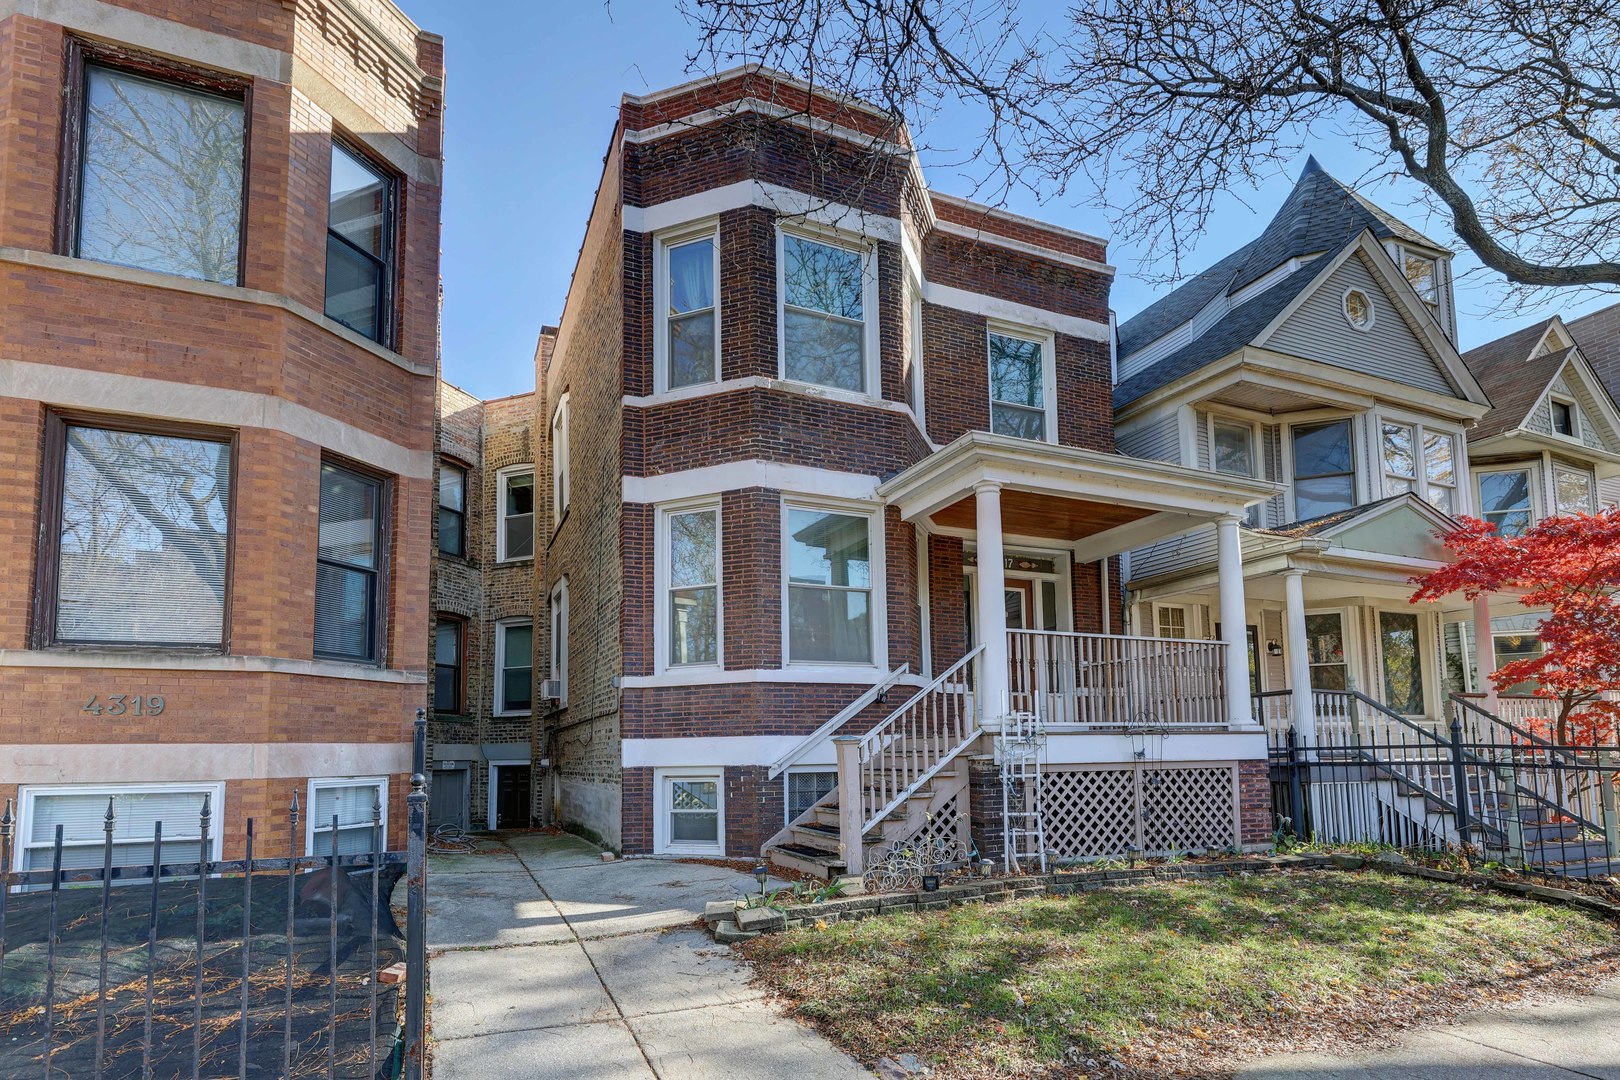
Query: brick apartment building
point(480, 725)
point(219, 230)
point(824, 443)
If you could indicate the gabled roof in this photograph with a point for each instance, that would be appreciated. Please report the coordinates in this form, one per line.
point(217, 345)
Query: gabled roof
point(1320, 217)
point(1512, 377)
point(1325, 523)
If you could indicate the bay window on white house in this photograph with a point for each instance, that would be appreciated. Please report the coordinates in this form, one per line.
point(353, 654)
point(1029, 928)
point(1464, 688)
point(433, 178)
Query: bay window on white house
point(1324, 468)
point(1572, 490)
point(688, 344)
point(137, 808)
point(689, 572)
point(828, 557)
point(1505, 500)
point(823, 311)
point(1235, 450)
point(1422, 461)
point(354, 803)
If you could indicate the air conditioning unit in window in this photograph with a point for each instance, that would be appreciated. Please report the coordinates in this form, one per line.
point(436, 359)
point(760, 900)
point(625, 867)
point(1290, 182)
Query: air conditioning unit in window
point(551, 690)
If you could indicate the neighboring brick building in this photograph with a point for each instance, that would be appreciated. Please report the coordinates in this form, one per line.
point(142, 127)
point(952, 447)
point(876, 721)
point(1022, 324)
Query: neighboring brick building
point(480, 727)
point(219, 237)
point(775, 496)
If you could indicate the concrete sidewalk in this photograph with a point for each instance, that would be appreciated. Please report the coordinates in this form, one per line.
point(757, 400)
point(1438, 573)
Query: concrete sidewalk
point(1548, 1041)
point(547, 962)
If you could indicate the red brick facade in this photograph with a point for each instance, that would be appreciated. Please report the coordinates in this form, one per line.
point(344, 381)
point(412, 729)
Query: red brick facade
point(258, 362)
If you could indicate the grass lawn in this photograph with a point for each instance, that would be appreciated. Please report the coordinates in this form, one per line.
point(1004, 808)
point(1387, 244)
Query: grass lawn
point(1174, 978)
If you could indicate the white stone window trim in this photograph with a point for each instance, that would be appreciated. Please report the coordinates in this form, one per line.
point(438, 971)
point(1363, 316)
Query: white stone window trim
point(706, 229)
point(561, 485)
point(28, 794)
point(662, 636)
point(557, 639)
point(871, 351)
point(1537, 506)
point(498, 700)
point(1344, 307)
point(502, 478)
point(663, 781)
point(1048, 343)
point(316, 783)
point(877, 604)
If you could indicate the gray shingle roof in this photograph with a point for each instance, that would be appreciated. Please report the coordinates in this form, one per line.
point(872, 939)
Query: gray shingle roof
point(1512, 380)
point(1320, 215)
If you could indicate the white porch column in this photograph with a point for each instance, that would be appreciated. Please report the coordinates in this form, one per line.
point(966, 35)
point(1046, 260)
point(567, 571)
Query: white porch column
point(1302, 710)
point(1484, 651)
point(992, 623)
point(1229, 549)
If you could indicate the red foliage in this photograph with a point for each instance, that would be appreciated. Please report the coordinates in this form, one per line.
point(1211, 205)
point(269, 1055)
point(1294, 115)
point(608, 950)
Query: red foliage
point(1569, 565)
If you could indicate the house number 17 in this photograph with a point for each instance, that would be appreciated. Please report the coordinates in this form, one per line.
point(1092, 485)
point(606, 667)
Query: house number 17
point(125, 705)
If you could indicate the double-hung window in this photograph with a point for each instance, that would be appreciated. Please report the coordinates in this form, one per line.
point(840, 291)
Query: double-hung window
point(1422, 273)
point(1505, 500)
point(1324, 469)
point(452, 509)
point(359, 805)
point(359, 245)
point(514, 666)
point(829, 586)
point(449, 642)
point(141, 537)
point(1233, 451)
point(689, 345)
point(823, 295)
point(515, 492)
point(561, 484)
point(1018, 390)
point(558, 660)
point(692, 586)
point(155, 174)
point(348, 563)
point(1170, 621)
point(1432, 474)
point(1572, 490)
point(1324, 651)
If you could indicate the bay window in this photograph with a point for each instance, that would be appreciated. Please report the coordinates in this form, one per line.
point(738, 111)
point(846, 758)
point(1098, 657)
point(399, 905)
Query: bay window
point(829, 586)
point(1504, 500)
point(823, 309)
point(348, 561)
point(1431, 474)
point(1572, 490)
point(1324, 468)
point(359, 245)
point(691, 572)
point(155, 176)
point(1233, 451)
point(689, 337)
point(140, 538)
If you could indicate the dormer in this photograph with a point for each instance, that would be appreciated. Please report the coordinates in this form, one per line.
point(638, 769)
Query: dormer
point(1427, 269)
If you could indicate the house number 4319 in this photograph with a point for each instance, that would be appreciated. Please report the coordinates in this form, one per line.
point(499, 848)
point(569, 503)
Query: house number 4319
point(126, 705)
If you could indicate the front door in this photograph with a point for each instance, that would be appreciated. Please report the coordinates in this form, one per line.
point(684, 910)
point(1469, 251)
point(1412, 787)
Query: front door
point(1020, 599)
point(447, 798)
point(511, 796)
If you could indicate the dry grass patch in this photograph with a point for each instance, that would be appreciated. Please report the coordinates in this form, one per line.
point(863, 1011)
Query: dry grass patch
point(1175, 978)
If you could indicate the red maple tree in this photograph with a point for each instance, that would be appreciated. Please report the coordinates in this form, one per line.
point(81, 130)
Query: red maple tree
point(1569, 565)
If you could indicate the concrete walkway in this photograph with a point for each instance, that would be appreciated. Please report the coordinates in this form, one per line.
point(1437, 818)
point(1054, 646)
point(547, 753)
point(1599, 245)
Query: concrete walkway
point(1548, 1041)
point(547, 962)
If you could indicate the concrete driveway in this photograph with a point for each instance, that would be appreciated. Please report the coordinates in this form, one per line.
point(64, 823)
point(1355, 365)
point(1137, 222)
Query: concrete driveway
point(547, 962)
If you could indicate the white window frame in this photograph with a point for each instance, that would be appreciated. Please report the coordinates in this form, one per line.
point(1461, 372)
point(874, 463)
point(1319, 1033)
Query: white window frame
point(662, 637)
point(557, 639)
point(501, 479)
point(1187, 626)
point(1401, 252)
point(1421, 429)
point(561, 489)
point(27, 794)
point(707, 229)
point(1575, 425)
point(1575, 470)
point(1344, 307)
point(872, 386)
point(662, 845)
point(1048, 343)
point(499, 670)
point(1257, 452)
point(1358, 435)
point(1426, 651)
point(311, 825)
point(1349, 627)
point(915, 314)
point(1536, 507)
point(877, 605)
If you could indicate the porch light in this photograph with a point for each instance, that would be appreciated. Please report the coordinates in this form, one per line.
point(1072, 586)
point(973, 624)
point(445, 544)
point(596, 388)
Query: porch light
point(1273, 647)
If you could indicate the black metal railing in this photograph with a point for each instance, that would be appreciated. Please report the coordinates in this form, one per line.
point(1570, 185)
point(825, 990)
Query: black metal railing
point(204, 967)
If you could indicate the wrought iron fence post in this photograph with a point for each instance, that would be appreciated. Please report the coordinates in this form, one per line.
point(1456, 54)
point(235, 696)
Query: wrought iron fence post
point(419, 744)
point(1514, 828)
point(7, 824)
point(1611, 835)
point(1459, 779)
point(108, 824)
point(203, 820)
point(416, 924)
point(1296, 790)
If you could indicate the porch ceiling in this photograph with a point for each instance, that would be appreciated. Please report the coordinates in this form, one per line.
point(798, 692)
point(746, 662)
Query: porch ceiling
point(1103, 503)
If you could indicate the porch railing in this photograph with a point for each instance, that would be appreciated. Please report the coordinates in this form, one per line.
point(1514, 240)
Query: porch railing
point(1107, 681)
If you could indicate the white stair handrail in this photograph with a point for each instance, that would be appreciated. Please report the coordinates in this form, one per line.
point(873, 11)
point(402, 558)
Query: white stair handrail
point(842, 717)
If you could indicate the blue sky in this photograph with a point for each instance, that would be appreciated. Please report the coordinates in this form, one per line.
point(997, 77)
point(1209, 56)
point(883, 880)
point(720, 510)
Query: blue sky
point(532, 89)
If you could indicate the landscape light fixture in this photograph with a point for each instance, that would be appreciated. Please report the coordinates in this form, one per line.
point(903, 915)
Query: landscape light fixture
point(761, 875)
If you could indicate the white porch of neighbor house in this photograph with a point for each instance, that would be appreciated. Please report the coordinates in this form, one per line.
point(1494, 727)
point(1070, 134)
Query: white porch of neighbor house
point(906, 778)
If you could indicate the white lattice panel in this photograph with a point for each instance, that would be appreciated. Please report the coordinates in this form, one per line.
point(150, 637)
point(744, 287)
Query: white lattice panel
point(949, 824)
point(1103, 811)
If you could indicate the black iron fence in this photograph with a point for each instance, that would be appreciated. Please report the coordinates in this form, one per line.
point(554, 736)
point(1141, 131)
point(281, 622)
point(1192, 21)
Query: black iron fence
point(1475, 783)
point(203, 967)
